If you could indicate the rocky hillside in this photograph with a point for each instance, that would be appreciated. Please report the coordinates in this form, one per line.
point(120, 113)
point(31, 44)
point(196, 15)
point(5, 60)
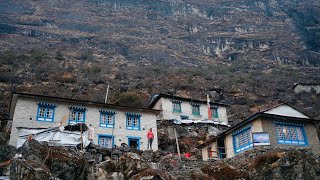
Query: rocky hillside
point(40, 161)
point(251, 51)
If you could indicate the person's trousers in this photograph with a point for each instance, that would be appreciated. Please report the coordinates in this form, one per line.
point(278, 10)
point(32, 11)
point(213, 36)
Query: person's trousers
point(150, 143)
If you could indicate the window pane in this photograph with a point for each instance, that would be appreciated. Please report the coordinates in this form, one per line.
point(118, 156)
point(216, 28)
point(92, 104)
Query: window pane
point(80, 116)
point(73, 116)
point(41, 112)
point(135, 121)
point(300, 136)
point(103, 119)
point(110, 119)
point(279, 130)
point(243, 140)
point(49, 113)
point(176, 107)
point(129, 121)
point(293, 134)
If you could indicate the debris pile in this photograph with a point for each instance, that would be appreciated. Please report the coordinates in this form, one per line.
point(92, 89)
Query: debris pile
point(190, 135)
point(38, 160)
point(265, 163)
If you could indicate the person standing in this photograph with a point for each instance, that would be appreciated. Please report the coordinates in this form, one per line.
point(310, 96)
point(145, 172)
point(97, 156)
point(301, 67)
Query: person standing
point(150, 137)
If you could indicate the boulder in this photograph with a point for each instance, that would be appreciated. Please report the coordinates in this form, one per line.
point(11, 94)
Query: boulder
point(169, 162)
point(131, 164)
point(153, 174)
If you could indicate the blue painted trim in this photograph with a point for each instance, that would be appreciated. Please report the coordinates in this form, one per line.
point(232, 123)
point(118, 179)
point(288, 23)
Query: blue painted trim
point(137, 128)
point(108, 136)
point(291, 141)
point(43, 104)
point(107, 112)
point(47, 108)
point(134, 138)
point(107, 125)
point(241, 130)
point(133, 114)
point(287, 123)
point(244, 147)
point(77, 108)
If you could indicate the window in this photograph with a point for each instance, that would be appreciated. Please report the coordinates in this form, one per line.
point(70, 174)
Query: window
point(107, 118)
point(45, 112)
point(77, 115)
point(242, 139)
point(133, 121)
point(176, 106)
point(290, 133)
point(195, 110)
point(214, 112)
point(106, 141)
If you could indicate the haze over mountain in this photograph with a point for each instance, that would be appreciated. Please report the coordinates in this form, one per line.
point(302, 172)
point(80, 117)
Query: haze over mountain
point(251, 52)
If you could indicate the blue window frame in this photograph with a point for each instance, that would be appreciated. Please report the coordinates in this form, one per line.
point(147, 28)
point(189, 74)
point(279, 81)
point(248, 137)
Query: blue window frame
point(134, 142)
point(291, 133)
point(45, 112)
point(77, 115)
point(176, 106)
point(133, 121)
point(242, 139)
point(214, 112)
point(107, 119)
point(106, 140)
point(195, 109)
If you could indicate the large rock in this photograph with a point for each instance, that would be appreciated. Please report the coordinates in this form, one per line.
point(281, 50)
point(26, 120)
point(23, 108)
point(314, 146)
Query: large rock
point(6, 153)
point(169, 162)
point(21, 169)
point(131, 164)
point(61, 162)
point(154, 174)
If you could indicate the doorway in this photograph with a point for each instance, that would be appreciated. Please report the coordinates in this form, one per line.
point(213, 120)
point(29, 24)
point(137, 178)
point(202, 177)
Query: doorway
point(134, 143)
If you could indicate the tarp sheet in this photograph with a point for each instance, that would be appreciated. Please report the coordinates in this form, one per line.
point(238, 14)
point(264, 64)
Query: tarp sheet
point(54, 136)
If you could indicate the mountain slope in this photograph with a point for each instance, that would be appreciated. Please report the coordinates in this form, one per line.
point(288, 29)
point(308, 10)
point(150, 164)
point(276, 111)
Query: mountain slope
point(252, 51)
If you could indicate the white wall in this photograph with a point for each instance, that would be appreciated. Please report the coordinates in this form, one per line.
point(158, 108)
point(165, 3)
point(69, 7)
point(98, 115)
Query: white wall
point(285, 110)
point(165, 105)
point(307, 88)
point(25, 115)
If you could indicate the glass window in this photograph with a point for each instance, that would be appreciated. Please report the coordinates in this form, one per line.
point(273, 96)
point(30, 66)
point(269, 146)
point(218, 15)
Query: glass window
point(214, 113)
point(176, 106)
point(76, 116)
point(133, 122)
point(45, 113)
point(242, 140)
point(196, 110)
point(107, 119)
point(105, 141)
point(291, 134)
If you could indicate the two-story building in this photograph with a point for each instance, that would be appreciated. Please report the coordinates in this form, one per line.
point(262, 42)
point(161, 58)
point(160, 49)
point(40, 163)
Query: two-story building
point(113, 124)
point(188, 110)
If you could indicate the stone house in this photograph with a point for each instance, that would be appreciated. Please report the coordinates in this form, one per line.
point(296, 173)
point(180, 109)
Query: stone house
point(306, 88)
point(280, 126)
point(113, 124)
point(188, 110)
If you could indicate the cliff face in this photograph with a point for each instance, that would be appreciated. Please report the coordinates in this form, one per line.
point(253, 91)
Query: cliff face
point(254, 50)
